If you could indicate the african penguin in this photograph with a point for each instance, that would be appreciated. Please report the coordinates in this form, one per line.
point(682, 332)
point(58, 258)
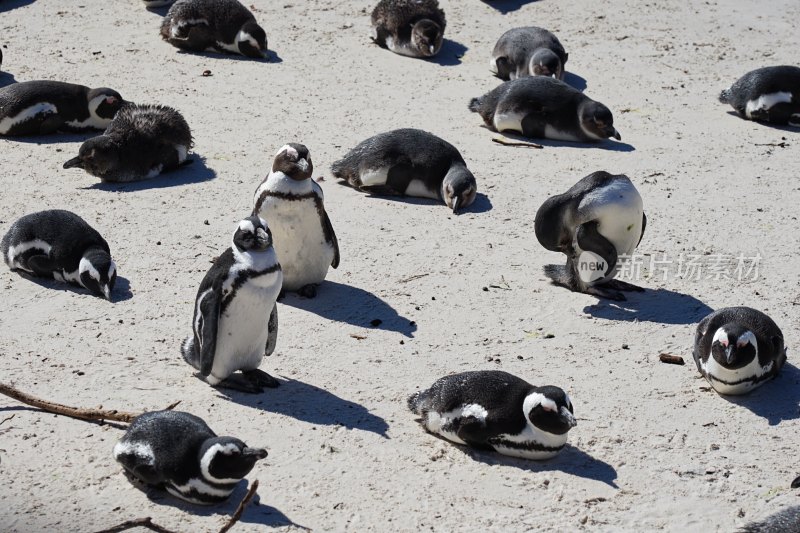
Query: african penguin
point(543, 107)
point(178, 452)
point(769, 94)
point(785, 521)
point(413, 28)
point(292, 204)
point(61, 245)
point(738, 349)
point(597, 222)
point(494, 410)
point(235, 316)
point(224, 26)
point(44, 107)
point(528, 51)
point(409, 162)
point(140, 143)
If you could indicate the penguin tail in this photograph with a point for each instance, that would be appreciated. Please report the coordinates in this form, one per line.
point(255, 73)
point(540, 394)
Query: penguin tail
point(189, 352)
point(475, 105)
point(560, 275)
point(416, 402)
point(725, 96)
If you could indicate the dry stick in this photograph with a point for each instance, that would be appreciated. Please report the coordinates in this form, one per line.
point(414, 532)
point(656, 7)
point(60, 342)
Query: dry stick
point(671, 359)
point(239, 510)
point(504, 142)
point(415, 276)
point(139, 522)
point(74, 412)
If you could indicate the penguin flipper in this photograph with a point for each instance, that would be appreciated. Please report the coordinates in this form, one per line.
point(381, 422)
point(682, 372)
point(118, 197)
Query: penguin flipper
point(41, 265)
point(272, 329)
point(644, 225)
point(327, 228)
point(590, 240)
point(473, 432)
point(205, 333)
point(380, 190)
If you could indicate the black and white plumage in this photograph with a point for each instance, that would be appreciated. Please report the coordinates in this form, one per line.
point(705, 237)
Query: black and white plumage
point(293, 205)
point(528, 51)
point(61, 245)
point(141, 142)
point(494, 410)
point(409, 162)
point(224, 26)
point(769, 94)
point(785, 521)
point(738, 349)
point(413, 28)
point(235, 315)
point(178, 452)
point(44, 107)
point(543, 107)
point(596, 221)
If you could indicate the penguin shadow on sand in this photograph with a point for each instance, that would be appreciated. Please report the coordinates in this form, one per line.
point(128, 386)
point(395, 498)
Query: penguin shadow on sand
point(781, 127)
point(450, 54)
point(194, 170)
point(575, 81)
point(272, 56)
point(481, 204)
point(363, 309)
point(8, 5)
point(56, 138)
point(6, 79)
point(777, 400)
point(662, 306)
point(507, 6)
point(614, 146)
point(122, 287)
point(306, 402)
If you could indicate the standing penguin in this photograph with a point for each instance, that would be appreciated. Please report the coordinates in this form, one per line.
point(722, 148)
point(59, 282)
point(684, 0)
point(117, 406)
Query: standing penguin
point(140, 143)
point(409, 162)
point(45, 107)
point(596, 221)
point(769, 94)
point(61, 245)
point(544, 107)
point(738, 349)
point(178, 452)
point(235, 316)
point(529, 51)
point(494, 410)
point(413, 28)
point(292, 204)
point(216, 26)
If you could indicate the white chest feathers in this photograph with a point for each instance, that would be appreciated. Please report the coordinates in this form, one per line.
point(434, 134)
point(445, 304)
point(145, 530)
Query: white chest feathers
point(618, 210)
point(766, 101)
point(29, 113)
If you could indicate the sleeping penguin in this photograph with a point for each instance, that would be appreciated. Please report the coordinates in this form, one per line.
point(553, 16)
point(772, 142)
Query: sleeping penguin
point(738, 349)
point(413, 28)
point(598, 220)
point(235, 316)
point(529, 51)
point(769, 94)
point(494, 410)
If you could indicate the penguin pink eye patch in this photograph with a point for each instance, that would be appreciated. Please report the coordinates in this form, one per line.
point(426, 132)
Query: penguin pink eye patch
point(111, 99)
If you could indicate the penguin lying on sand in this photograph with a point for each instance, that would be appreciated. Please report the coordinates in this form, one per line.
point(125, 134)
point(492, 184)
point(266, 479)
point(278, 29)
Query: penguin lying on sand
point(413, 28)
point(769, 94)
point(529, 51)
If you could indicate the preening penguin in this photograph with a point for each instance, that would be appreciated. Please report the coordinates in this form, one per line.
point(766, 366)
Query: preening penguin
point(409, 162)
point(215, 26)
point(543, 107)
point(413, 28)
point(769, 94)
point(292, 204)
point(598, 220)
point(494, 410)
point(235, 316)
point(140, 143)
point(738, 349)
point(178, 452)
point(529, 51)
point(44, 107)
point(61, 245)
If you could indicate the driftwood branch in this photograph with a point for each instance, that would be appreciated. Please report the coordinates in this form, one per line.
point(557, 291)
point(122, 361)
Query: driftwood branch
point(139, 522)
point(671, 359)
point(239, 510)
point(74, 412)
point(504, 142)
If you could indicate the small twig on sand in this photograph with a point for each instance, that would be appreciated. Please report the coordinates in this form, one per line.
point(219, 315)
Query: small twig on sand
point(139, 522)
point(504, 142)
point(671, 359)
point(6, 419)
point(66, 410)
point(415, 276)
point(239, 510)
point(780, 144)
point(358, 337)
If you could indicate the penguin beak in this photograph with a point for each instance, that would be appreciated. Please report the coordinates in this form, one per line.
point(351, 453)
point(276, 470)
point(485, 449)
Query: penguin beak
point(258, 453)
point(107, 292)
point(456, 202)
point(729, 354)
point(568, 417)
point(616, 135)
point(75, 162)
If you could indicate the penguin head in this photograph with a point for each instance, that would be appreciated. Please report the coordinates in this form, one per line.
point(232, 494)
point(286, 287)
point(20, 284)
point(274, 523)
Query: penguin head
point(545, 62)
point(597, 121)
point(226, 458)
point(294, 160)
point(252, 234)
point(459, 188)
point(426, 37)
point(98, 272)
point(734, 346)
point(252, 40)
point(550, 409)
point(104, 103)
point(97, 156)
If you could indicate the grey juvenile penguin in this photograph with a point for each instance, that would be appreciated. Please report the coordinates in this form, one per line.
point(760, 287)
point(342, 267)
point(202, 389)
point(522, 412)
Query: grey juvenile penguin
point(140, 143)
point(785, 521)
point(178, 452)
point(216, 26)
point(528, 51)
point(769, 94)
point(409, 162)
point(44, 107)
point(738, 349)
point(413, 28)
point(540, 106)
point(596, 221)
point(61, 245)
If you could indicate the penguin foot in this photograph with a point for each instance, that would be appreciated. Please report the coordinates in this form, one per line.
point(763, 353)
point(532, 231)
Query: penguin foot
point(622, 286)
point(308, 291)
point(608, 294)
point(261, 378)
point(239, 382)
